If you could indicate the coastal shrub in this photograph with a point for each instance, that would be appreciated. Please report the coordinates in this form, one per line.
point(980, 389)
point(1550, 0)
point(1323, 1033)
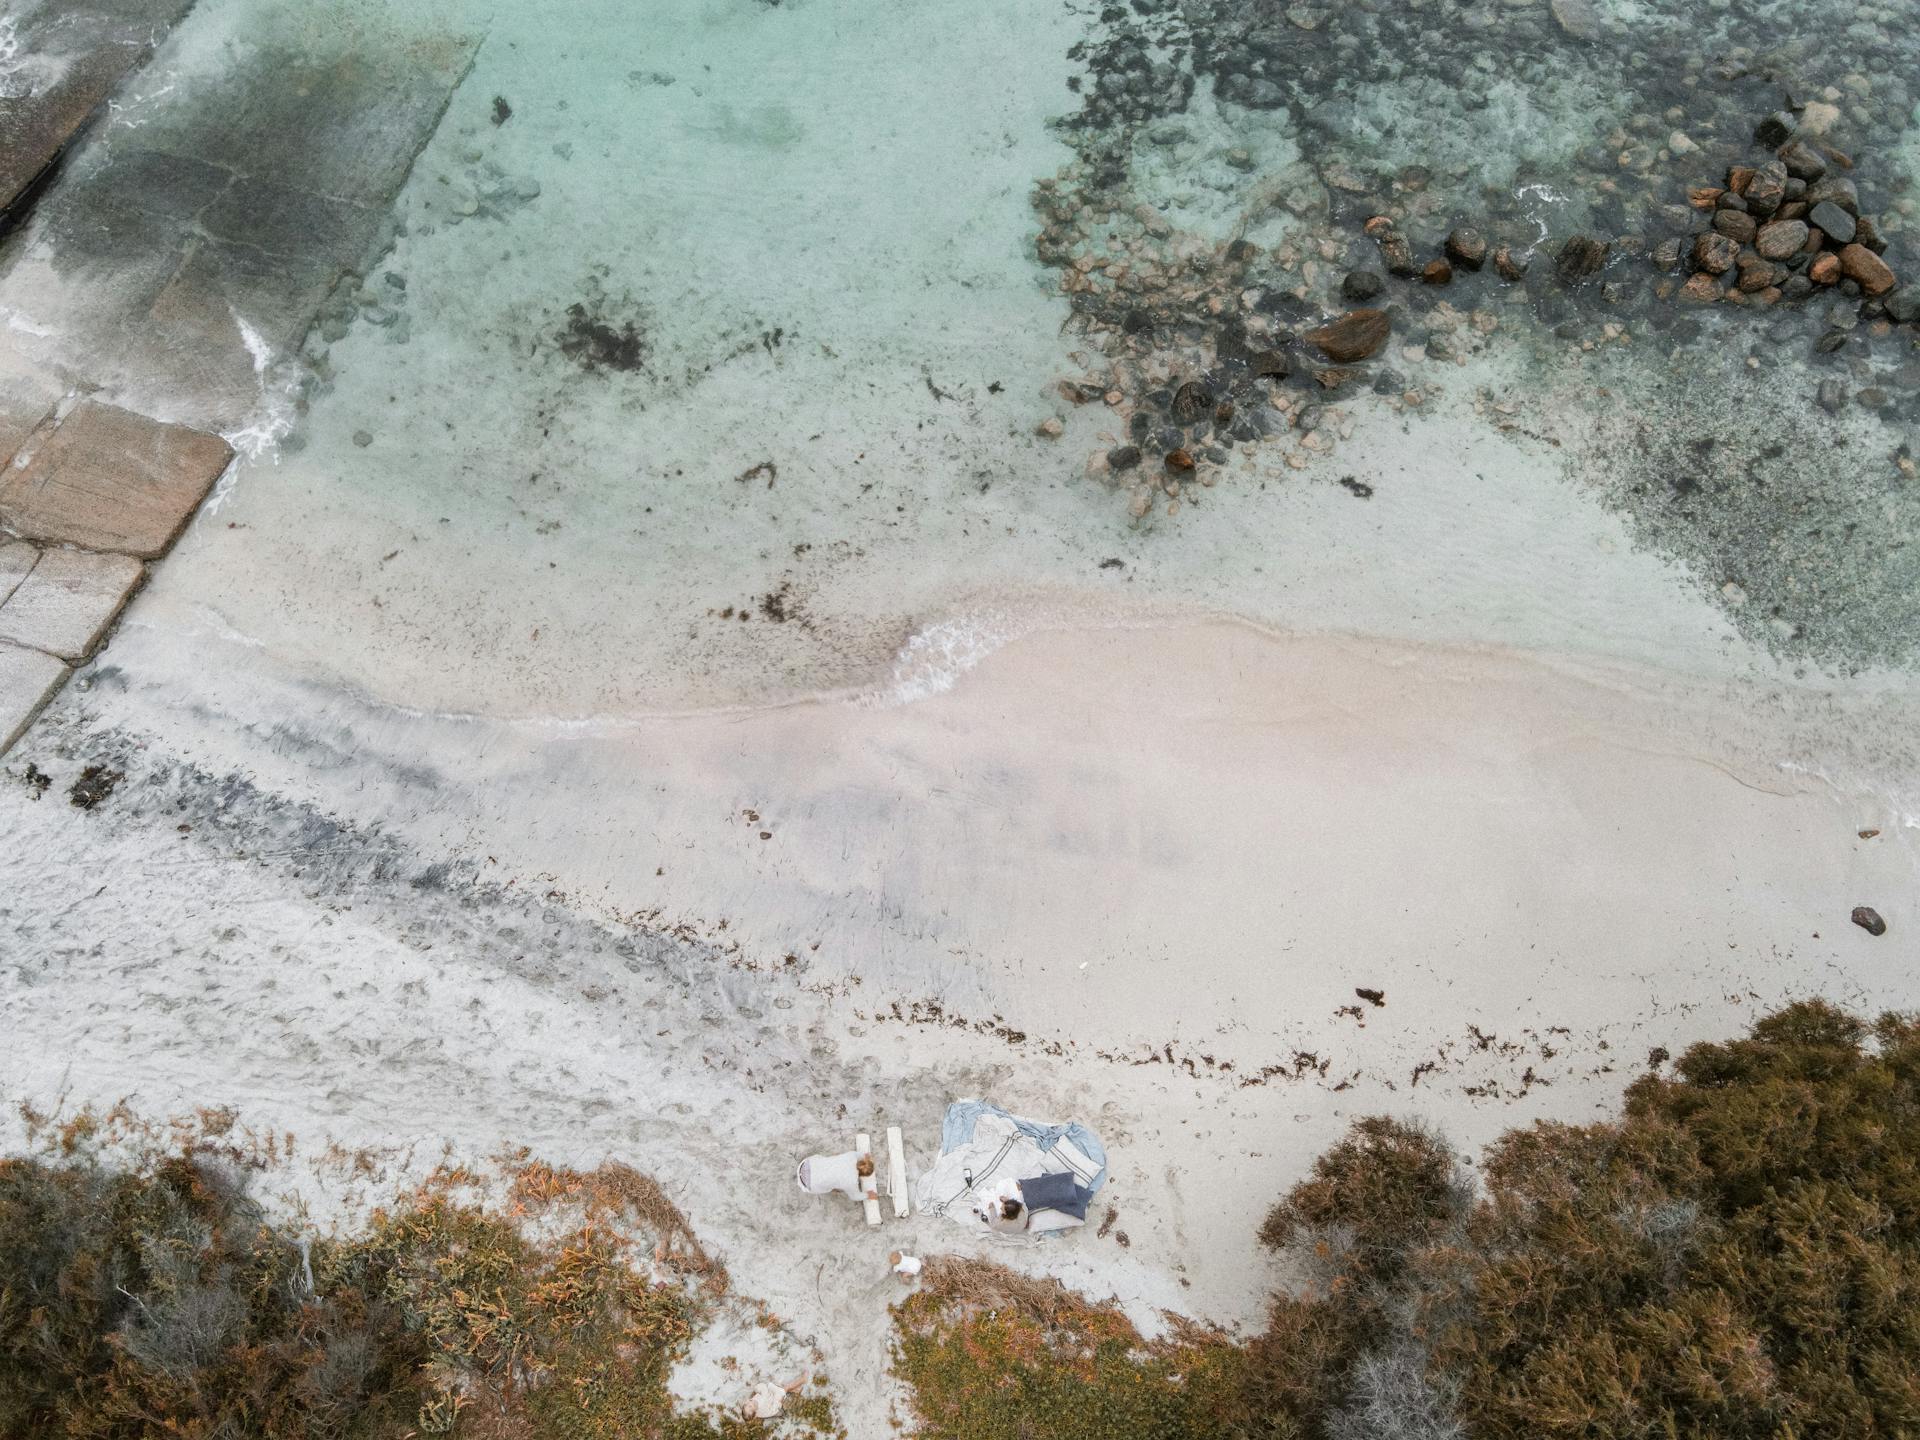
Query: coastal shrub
point(158, 1301)
point(993, 1355)
point(1737, 1257)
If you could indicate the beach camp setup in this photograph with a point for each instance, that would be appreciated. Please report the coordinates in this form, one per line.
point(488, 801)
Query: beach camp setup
point(986, 1156)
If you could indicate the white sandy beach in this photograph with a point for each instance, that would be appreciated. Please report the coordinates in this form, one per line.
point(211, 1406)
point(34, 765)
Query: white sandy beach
point(1170, 850)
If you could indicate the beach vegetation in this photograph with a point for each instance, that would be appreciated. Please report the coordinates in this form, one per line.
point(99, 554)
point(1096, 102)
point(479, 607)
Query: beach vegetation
point(1736, 1256)
point(158, 1299)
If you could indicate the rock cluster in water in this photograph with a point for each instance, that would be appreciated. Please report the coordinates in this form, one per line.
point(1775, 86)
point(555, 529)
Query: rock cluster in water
point(1783, 228)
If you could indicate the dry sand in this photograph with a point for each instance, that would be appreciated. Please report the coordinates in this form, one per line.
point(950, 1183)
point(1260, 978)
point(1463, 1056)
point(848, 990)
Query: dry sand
point(1154, 852)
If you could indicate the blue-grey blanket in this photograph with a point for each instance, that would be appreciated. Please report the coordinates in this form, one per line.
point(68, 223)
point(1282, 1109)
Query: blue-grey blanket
point(957, 1130)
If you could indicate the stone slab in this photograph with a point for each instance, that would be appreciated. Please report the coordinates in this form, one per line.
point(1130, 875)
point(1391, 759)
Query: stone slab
point(36, 127)
point(28, 680)
point(17, 559)
point(108, 479)
point(17, 422)
point(66, 602)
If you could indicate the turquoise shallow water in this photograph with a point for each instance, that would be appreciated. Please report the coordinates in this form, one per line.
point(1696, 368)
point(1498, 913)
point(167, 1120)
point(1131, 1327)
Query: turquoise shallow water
point(712, 352)
point(745, 296)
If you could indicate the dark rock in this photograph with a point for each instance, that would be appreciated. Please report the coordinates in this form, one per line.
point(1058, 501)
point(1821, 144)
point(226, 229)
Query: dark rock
point(1803, 162)
point(1362, 284)
point(1666, 255)
point(1903, 305)
point(1275, 363)
point(1125, 457)
point(1468, 247)
point(1832, 396)
point(1730, 201)
point(1767, 188)
point(1715, 253)
point(1581, 257)
point(1796, 287)
point(1866, 233)
point(1868, 919)
point(1831, 341)
point(1191, 402)
point(1781, 239)
point(1835, 223)
point(1795, 188)
point(1872, 398)
point(1735, 225)
point(1838, 189)
point(1508, 265)
point(1354, 336)
point(1776, 130)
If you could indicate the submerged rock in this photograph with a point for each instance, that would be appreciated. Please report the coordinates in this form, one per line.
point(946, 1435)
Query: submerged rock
point(1860, 264)
point(1354, 336)
point(1836, 224)
point(1362, 284)
point(1579, 18)
point(1467, 246)
point(1581, 257)
point(1776, 129)
point(1508, 265)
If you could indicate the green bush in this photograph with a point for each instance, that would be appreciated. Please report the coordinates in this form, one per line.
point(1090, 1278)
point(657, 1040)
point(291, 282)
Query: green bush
point(158, 1301)
point(1736, 1258)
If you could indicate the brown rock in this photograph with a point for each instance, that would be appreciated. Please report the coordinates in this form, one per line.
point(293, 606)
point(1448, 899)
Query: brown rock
point(1701, 289)
point(1704, 197)
point(1715, 253)
point(1581, 257)
point(1179, 460)
point(1866, 233)
point(1354, 336)
point(1738, 178)
point(1868, 919)
point(1781, 239)
point(1793, 210)
point(1770, 296)
point(1378, 225)
point(1508, 265)
point(1438, 272)
point(1736, 225)
point(1861, 264)
point(1825, 270)
point(1755, 273)
point(108, 479)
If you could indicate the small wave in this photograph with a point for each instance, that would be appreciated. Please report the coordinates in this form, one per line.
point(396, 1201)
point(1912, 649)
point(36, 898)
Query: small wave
point(935, 658)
